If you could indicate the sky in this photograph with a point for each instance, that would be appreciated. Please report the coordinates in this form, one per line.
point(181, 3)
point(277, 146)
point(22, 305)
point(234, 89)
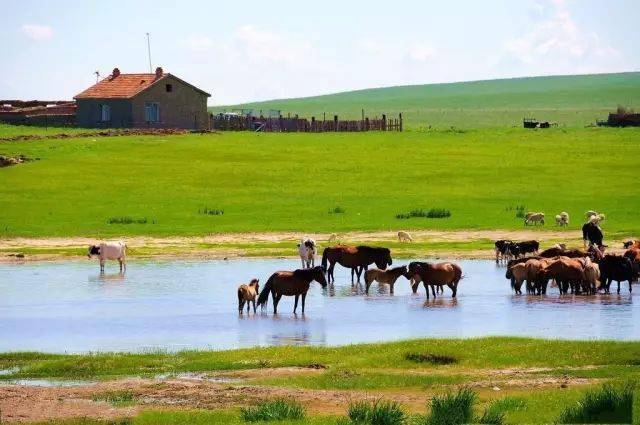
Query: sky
point(259, 50)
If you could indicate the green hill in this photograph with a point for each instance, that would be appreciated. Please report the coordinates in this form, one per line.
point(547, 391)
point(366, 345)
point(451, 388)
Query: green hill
point(574, 100)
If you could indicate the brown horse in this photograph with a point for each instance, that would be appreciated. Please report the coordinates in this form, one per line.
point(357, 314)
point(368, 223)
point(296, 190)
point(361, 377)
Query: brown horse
point(356, 258)
point(293, 283)
point(384, 276)
point(433, 275)
point(248, 293)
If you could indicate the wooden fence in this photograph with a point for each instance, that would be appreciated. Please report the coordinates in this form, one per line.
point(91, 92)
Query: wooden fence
point(303, 125)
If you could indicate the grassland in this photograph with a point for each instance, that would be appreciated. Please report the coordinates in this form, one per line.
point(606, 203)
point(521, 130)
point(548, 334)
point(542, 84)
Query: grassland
point(294, 182)
point(537, 378)
point(572, 101)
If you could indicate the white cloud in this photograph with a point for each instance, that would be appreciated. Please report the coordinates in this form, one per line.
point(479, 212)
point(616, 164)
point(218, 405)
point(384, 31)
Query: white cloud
point(556, 37)
point(37, 32)
point(198, 43)
point(420, 52)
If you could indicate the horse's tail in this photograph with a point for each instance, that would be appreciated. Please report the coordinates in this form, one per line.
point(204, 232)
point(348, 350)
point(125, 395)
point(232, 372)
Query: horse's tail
point(325, 255)
point(264, 294)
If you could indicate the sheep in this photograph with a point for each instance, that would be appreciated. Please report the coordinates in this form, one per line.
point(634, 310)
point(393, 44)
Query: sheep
point(404, 237)
point(565, 218)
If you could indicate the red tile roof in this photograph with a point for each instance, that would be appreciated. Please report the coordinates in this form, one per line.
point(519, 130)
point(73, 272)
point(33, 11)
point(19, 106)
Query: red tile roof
point(122, 86)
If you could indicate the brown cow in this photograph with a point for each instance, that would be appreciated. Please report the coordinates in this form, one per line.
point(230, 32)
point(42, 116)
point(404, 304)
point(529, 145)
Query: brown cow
point(439, 274)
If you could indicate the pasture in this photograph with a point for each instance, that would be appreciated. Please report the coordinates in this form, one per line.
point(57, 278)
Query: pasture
point(572, 101)
point(195, 185)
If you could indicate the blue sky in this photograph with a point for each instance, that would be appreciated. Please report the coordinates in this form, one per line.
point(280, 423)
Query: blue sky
point(243, 51)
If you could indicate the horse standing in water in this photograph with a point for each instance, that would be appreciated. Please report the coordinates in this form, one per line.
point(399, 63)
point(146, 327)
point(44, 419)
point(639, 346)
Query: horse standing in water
point(307, 251)
point(356, 258)
point(384, 276)
point(292, 284)
point(248, 293)
point(439, 274)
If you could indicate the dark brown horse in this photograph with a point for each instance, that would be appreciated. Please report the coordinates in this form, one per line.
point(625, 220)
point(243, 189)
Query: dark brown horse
point(433, 275)
point(356, 258)
point(292, 284)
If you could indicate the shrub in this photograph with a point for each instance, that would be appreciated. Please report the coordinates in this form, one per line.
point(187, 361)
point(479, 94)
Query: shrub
point(127, 220)
point(452, 409)
point(430, 358)
point(432, 213)
point(606, 405)
point(337, 210)
point(378, 412)
point(210, 211)
point(274, 410)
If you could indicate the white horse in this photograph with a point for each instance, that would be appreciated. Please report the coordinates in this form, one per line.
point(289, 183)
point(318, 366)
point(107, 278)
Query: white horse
point(307, 250)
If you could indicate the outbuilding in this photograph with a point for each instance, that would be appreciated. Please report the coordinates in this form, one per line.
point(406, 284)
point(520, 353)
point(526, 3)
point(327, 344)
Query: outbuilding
point(159, 100)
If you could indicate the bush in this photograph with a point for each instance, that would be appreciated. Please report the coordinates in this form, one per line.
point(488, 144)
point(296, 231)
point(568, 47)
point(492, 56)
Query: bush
point(337, 210)
point(432, 213)
point(379, 412)
point(273, 410)
point(452, 409)
point(606, 405)
point(430, 358)
point(210, 211)
point(126, 220)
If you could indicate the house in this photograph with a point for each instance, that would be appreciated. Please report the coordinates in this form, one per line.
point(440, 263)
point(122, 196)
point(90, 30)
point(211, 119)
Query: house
point(159, 100)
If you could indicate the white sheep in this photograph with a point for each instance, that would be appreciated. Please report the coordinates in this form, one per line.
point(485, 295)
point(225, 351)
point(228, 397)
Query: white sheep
point(404, 237)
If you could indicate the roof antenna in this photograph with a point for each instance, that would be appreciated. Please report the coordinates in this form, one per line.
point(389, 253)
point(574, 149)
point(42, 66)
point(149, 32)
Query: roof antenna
point(97, 75)
point(149, 51)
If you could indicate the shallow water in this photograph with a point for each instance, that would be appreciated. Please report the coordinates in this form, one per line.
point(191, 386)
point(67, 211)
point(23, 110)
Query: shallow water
point(174, 305)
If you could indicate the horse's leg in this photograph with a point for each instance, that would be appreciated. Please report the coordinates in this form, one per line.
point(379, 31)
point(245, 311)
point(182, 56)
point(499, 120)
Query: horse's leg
point(276, 298)
point(618, 287)
point(249, 306)
point(367, 284)
point(295, 304)
point(391, 287)
point(433, 290)
point(240, 305)
point(352, 272)
point(426, 288)
point(304, 297)
point(254, 305)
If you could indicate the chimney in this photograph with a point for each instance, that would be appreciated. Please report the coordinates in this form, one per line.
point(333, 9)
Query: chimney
point(159, 72)
point(115, 73)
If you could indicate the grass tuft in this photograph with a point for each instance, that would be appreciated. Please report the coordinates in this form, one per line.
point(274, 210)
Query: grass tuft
point(432, 213)
point(274, 410)
point(127, 220)
point(606, 405)
point(337, 210)
point(378, 412)
point(439, 359)
point(452, 409)
point(210, 211)
point(116, 398)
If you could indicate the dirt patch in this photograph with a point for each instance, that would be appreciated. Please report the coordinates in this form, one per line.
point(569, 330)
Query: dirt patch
point(106, 133)
point(8, 161)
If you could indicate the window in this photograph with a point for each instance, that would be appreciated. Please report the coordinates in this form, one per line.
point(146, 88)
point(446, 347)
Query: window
point(105, 113)
point(151, 112)
point(169, 87)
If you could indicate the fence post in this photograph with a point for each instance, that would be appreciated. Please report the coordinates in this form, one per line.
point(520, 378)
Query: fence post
point(384, 122)
point(400, 117)
point(335, 122)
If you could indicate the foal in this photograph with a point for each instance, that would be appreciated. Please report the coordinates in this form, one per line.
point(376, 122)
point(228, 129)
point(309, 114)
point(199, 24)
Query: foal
point(384, 276)
point(248, 293)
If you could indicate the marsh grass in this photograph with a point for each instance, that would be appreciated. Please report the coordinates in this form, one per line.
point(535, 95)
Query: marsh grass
point(116, 398)
point(520, 210)
point(127, 220)
point(605, 405)
point(452, 408)
point(437, 359)
point(274, 410)
point(432, 213)
point(378, 412)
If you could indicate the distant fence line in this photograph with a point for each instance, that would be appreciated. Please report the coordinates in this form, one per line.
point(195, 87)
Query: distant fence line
point(303, 125)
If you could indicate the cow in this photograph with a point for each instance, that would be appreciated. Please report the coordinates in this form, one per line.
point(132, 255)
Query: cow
point(109, 251)
point(534, 218)
point(527, 247)
point(307, 251)
point(502, 249)
point(615, 267)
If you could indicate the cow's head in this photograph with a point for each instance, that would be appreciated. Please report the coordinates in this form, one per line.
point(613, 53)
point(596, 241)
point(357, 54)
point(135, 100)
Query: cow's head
point(93, 250)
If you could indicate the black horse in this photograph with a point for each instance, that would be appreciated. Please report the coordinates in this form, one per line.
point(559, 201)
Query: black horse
point(592, 233)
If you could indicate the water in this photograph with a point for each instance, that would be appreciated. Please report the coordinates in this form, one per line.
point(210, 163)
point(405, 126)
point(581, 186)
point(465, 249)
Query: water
point(174, 305)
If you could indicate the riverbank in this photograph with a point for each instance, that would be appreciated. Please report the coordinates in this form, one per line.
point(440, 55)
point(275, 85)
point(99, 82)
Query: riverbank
point(460, 244)
point(536, 378)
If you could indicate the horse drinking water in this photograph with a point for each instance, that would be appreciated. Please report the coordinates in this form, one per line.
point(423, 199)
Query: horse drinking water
point(292, 284)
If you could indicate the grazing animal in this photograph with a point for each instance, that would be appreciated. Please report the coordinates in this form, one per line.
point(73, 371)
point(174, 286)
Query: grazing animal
point(567, 272)
point(291, 283)
point(526, 247)
point(439, 274)
point(388, 276)
point(565, 218)
point(356, 258)
point(534, 218)
point(615, 267)
point(596, 219)
point(633, 254)
point(592, 234)
point(559, 221)
point(109, 251)
point(518, 276)
point(502, 249)
point(590, 214)
point(631, 244)
point(404, 237)
point(557, 250)
point(307, 250)
point(332, 238)
point(591, 280)
point(247, 293)
point(535, 279)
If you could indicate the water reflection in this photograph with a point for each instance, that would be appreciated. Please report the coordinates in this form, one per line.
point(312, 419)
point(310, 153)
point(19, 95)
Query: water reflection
point(178, 305)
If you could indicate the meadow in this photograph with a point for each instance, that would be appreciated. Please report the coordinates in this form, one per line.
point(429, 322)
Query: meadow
point(530, 380)
point(198, 184)
point(571, 101)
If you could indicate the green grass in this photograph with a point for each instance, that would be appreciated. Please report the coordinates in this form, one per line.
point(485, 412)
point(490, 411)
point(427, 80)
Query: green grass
point(606, 405)
point(378, 412)
point(116, 398)
point(273, 410)
point(8, 130)
point(452, 408)
point(574, 101)
point(477, 175)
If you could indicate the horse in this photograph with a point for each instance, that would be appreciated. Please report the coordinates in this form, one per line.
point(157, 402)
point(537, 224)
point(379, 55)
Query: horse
point(439, 274)
point(307, 251)
point(292, 284)
point(356, 258)
point(384, 276)
point(248, 293)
